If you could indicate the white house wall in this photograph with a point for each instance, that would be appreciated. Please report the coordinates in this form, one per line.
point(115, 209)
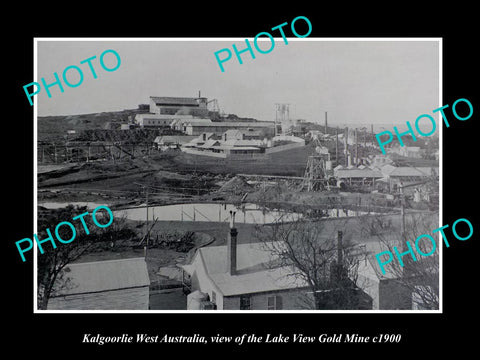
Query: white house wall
point(291, 300)
point(201, 281)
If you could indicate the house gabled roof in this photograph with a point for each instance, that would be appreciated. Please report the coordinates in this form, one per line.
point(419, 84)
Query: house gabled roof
point(253, 271)
point(210, 143)
point(98, 276)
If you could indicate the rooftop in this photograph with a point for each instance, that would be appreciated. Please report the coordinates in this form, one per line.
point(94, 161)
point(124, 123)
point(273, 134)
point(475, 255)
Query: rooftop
point(97, 276)
point(165, 100)
point(233, 124)
point(364, 172)
point(401, 171)
point(253, 273)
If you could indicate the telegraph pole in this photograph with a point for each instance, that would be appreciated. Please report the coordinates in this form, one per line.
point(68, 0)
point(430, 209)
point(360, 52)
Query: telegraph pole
point(147, 230)
point(146, 201)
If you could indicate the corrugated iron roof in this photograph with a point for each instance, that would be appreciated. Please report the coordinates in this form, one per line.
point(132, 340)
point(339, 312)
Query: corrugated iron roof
point(98, 276)
point(358, 173)
point(165, 100)
point(242, 143)
point(401, 171)
point(210, 143)
point(253, 274)
point(235, 124)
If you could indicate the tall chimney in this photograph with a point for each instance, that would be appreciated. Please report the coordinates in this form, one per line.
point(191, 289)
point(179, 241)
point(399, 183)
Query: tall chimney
point(326, 128)
point(346, 146)
point(336, 147)
point(232, 246)
point(356, 147)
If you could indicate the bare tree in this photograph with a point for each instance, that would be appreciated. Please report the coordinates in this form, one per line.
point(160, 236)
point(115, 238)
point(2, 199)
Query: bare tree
point(317, 257)
point(52, 262)
point(420, 277)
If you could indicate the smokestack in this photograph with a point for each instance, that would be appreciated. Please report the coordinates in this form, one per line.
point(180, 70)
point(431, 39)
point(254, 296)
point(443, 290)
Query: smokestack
point(356, 147)
point(232, 246)
point(346, 146)
point(336, 147)
point(326, 128)
point(199, 94)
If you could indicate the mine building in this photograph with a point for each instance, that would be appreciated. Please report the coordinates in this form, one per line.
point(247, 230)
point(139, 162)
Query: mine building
point(178, 106)
point(195, 128)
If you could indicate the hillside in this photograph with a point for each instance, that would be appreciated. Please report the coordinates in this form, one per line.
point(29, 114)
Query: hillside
point(55, 127)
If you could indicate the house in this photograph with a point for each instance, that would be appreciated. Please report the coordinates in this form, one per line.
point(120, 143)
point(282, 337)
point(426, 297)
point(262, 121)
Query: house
point(242, 134)
point(387, 292)
point(200, 140)
point(153, 120)
point(237, 277)
point(214, 145)
point(244, 277)
point(180, 123)
point(172, 141)
point(360, 175)
point(415, 152)
point(379, 161)
point(394, 175)
point(121, 284)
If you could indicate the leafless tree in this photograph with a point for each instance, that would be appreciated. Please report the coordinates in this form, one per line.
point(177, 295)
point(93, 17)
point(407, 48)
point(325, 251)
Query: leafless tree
point(317, 259)
point(51, 276)
point(419, 277)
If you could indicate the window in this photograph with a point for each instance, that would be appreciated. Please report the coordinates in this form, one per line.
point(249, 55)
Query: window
point(274, 302)
point(245, 302)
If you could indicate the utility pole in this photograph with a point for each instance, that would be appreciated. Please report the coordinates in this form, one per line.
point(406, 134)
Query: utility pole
point(336, 147)
point(402, 212)
point(276, 119)
point(146, 201)
point(147, 230)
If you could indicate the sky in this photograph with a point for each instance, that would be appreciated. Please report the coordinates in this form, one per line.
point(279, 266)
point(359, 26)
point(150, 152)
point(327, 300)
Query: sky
point(364, 82)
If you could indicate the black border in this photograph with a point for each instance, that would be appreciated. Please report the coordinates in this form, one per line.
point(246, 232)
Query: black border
point(455, 25)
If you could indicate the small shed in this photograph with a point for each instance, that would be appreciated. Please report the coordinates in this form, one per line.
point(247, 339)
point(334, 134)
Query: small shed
point(121, 284)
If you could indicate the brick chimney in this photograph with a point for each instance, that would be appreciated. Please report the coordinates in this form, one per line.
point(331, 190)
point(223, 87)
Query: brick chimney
point(232, 246)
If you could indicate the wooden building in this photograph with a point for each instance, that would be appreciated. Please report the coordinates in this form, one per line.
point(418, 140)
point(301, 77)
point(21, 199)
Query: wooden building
point(102, 285)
